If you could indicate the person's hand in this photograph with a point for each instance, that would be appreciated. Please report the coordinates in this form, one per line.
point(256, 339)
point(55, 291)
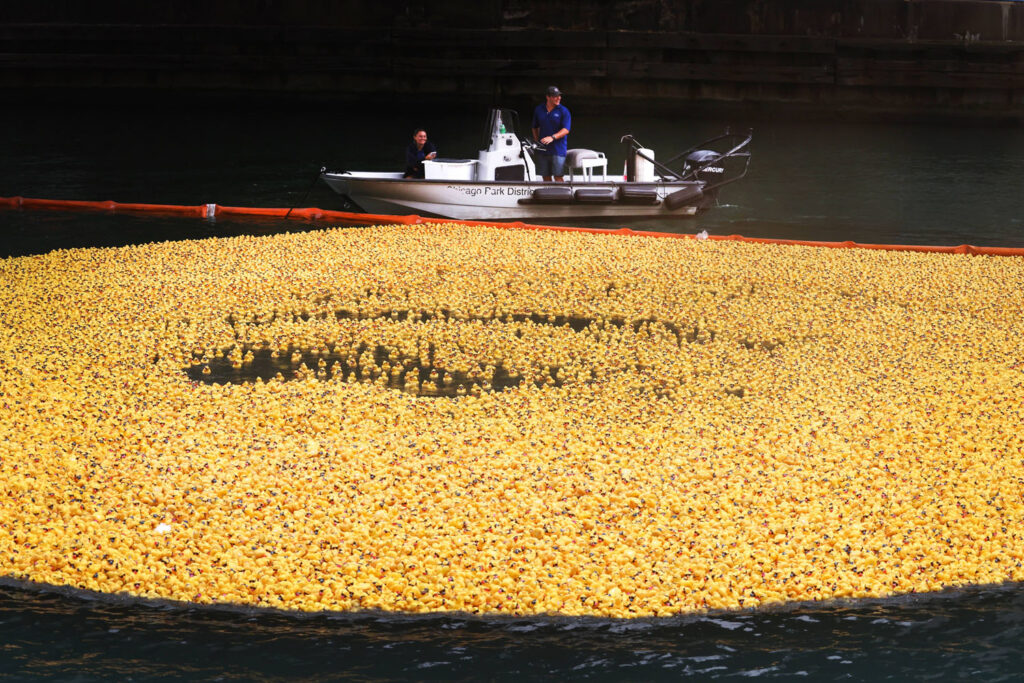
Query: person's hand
point(547, 140)
point(432, 155)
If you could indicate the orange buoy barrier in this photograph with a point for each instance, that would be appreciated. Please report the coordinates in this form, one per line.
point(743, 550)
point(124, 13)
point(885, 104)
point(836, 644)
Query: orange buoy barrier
point(69, 205)
point(202, 210)
point(959, 249)
point(315, 214)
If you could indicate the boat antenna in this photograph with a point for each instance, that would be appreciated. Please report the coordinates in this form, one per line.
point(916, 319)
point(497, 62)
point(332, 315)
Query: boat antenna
point(308, 190)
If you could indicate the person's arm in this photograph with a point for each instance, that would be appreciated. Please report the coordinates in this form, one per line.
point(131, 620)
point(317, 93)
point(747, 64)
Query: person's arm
point(561, 132)
point(548, 139)
point(431, 151)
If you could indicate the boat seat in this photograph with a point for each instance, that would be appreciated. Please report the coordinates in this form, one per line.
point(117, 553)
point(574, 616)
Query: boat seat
point(587, 160)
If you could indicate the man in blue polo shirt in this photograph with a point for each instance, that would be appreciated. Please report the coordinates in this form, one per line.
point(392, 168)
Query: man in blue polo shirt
point(551, 124)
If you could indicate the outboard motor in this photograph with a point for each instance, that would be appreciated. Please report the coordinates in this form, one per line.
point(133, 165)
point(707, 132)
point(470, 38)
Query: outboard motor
point(702, 164)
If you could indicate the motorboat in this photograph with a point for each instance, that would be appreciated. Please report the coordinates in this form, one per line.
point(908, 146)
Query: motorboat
point(502, 183)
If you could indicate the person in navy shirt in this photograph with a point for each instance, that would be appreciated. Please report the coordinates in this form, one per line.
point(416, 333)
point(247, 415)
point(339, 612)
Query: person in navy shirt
point(419, 149)
point(551, 124)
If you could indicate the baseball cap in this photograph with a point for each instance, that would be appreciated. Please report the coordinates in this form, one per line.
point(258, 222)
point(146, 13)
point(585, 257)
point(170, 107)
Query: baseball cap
point(553, 90)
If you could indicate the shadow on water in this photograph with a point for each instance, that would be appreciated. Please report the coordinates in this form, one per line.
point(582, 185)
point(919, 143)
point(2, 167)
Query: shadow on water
point(976, 633)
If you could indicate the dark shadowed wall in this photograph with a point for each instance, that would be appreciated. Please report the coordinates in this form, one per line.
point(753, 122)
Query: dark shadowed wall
point(911, 58)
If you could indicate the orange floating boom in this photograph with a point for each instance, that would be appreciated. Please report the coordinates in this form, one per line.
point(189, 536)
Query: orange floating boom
point(315, 214)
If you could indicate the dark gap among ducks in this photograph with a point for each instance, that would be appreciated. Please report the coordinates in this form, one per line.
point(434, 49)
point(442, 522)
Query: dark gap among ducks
point(417, 374)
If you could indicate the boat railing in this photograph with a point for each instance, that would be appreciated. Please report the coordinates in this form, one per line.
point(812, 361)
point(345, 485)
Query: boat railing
point(738, 150)
point(744, 140)
point(531, 147)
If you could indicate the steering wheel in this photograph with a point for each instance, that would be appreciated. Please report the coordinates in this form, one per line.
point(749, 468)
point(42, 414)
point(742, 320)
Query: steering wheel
point(532, 146)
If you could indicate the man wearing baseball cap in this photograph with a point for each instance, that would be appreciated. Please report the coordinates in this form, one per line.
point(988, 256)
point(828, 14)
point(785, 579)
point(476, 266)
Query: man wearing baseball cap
point(551, 124)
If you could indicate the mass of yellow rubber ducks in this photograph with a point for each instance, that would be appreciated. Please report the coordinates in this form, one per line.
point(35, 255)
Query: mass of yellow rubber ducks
point(499, 421)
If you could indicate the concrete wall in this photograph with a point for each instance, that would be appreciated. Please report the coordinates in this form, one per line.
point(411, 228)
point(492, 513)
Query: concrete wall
point(915, 58)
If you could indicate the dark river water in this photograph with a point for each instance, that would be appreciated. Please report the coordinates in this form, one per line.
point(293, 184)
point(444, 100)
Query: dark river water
point(884, 183)
point(901, 184)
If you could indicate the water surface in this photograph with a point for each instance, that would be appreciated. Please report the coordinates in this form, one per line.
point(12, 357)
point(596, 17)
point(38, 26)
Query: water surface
point(906, 184)
point(976, 634)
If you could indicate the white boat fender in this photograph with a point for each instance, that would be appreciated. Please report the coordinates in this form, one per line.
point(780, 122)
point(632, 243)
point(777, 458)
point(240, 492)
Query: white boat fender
point(683, 197)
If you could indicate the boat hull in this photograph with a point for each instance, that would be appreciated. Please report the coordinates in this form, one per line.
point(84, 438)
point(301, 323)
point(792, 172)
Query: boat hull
point(505, 200)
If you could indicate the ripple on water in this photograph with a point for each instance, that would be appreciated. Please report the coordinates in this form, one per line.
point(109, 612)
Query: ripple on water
point(59, 635)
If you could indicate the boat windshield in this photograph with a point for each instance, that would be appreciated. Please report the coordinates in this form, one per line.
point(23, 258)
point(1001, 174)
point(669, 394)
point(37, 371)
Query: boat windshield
point(500, 121)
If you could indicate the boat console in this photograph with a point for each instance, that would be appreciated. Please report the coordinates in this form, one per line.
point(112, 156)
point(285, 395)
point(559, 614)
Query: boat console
point(502, 159)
